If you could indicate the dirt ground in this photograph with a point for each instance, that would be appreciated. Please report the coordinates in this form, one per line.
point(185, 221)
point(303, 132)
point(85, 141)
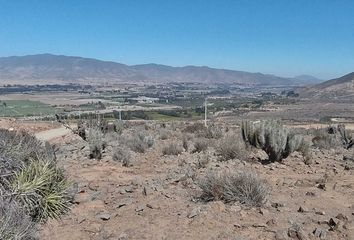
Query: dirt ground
point(157, 197)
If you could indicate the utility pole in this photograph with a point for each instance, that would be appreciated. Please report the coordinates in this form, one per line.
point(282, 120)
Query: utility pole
point(205, 112)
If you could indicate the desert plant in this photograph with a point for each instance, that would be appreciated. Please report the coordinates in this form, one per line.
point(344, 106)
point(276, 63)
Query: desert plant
point(203, 161)
point(14, 223)
point(96, 143)
point(272, 137)
point(172, 148)
point(231, 147)
point(118, 126)
point(212, 131)
point(41, 188)
point(200, 145)
point(346, 138)
point(326, 138)
point(122, 155)
point(164, 134)
point(194, 128)
point(185, 143)
point(140, 142)
point(244, 187)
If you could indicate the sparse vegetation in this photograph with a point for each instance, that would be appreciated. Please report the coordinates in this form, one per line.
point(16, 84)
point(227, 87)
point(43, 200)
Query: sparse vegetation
point(244, 187)
point(231, 147)
point(141, 142)
point(200, 145)
point(273, 138)
point(171, 148)
point(122, 155)
point(32, 188)
point(96, 143)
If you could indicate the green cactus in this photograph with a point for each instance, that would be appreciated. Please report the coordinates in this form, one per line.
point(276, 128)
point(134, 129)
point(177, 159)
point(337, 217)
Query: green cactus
point(272, 137)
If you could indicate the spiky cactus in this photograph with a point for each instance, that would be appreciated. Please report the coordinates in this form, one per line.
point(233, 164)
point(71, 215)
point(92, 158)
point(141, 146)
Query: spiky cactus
point(275, 139)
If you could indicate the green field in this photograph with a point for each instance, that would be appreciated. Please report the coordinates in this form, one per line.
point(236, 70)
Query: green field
point(20, 108)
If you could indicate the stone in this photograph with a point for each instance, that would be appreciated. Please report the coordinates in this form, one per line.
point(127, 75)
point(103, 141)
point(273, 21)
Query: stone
point(321, 186)
point(281, 235)
point(320, 233)
point(140, 208)
point(302, 209)
point(342, 217)
point(271, 222)
point(124, 202)
point(195, 212)
point(104, 216)
point(320, 213)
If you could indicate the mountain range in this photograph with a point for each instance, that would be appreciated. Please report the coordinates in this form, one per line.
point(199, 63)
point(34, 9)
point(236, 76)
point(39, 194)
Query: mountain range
point(49, 68)
point(341, 88)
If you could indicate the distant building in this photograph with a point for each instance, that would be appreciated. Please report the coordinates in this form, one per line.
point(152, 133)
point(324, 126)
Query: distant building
point(143, 99)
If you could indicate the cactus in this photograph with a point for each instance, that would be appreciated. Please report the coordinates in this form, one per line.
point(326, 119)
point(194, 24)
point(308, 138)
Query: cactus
point(276, 140)
point(347, 139)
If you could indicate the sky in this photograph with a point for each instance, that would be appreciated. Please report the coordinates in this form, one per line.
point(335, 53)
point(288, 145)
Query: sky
point(281, 37)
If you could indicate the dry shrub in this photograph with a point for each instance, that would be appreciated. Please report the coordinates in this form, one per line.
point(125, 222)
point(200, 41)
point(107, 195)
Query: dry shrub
point(172, 148)
point(164, 134)
point(140, 142)
point(194, 128)
point(14, 223)
point(244, 187)
point(122, 155)
point(231, 147)
point(96, 143)
point(200, 145)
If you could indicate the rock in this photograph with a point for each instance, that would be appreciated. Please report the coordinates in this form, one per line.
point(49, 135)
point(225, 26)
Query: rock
point(312, 194)
point(320, 233)
point(335, 224)
point(320, 213)
point(96, 195)
point(129, 189)
point(140, 208)
point(342, 217)
point(281, 235)
point(104, 216)
point(321, 186)
point(152, 206)
point(123, 236)
point(263, 211)
point(302, 209)
point(124, 202)
point(296, 232)
point(195, 212)
point(277, 205)
point(271, 222)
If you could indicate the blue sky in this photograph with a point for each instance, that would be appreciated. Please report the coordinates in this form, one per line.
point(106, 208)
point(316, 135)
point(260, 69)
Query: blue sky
point(282, 37)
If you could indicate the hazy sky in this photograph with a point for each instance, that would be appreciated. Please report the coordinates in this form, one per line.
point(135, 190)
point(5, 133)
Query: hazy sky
point(283, 37)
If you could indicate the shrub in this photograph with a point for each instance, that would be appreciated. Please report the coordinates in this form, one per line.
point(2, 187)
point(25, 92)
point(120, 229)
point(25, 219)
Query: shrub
point(212, 131)
point(122, 155)
point(185, 143)
point(200, 145)
point(244, 187)
point(194, 128)
point(273, 138)
point(141, 142)
point(172, 148)
point(203, 161)
point(118, 126)
point(164, 134)
point(326, 138)
point(41, 188)
point(14, 223)
point(96, 143)
point(346, 138)
point(231, 147)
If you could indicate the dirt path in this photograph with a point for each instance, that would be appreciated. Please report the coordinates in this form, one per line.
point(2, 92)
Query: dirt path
point(52, 133)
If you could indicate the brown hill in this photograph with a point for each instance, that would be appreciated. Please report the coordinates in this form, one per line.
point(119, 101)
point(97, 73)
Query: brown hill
point(68, 69)
point(336, 89)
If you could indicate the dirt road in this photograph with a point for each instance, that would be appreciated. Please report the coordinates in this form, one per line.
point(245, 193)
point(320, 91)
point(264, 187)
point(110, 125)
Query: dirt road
point(52, 133)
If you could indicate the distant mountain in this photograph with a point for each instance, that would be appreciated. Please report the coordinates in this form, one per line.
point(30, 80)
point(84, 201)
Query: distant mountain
point(48, 68)
point(308, 79)
point(336, 89)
